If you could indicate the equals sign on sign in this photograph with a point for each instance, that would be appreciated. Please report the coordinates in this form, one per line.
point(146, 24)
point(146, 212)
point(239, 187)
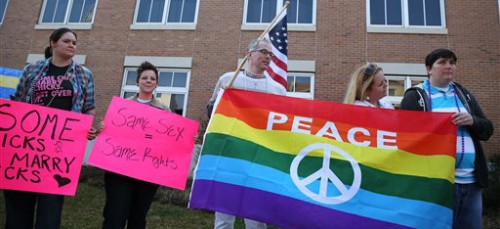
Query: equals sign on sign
point(149, 136)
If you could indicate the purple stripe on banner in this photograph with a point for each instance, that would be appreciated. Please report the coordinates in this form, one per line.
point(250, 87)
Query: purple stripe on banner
point(274, 209)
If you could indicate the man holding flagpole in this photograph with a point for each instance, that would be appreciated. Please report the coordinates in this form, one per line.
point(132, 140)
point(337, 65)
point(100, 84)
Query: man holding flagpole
point(266, 72)
point(260, 53)
point(253, 78)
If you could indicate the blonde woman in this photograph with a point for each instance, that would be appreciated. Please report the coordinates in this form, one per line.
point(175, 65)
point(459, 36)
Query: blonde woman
point(367, 87)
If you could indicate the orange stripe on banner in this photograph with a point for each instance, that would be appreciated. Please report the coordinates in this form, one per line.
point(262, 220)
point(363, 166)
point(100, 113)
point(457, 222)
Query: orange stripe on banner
point(384, 119)
point(410, 142)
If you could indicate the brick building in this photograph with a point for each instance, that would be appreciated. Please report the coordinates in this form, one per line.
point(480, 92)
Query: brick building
point(193, 42)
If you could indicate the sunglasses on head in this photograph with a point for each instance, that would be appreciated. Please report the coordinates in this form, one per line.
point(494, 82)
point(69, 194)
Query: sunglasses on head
point(369, 71)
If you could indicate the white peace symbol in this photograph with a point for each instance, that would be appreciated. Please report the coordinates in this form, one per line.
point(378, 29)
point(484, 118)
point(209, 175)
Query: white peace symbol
point(325, 174)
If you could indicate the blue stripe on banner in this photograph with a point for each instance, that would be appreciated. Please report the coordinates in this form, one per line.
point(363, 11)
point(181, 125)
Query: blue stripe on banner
point(10, 72)
point(411, 213)
point(5, 92)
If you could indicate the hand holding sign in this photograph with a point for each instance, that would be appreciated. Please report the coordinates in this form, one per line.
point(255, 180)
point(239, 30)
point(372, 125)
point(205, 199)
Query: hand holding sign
point(41, 148)
point(145, 143)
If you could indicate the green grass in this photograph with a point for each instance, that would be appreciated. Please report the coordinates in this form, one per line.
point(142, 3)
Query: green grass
point(84, 210)
point(168, 211)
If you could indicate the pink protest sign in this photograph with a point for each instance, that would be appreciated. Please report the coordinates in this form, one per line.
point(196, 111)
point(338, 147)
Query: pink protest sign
point(145, 143)
point(41, 148)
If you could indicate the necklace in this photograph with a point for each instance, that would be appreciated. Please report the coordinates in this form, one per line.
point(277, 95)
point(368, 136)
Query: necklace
point(458, 108)
point(256, 84)
point(253, 75)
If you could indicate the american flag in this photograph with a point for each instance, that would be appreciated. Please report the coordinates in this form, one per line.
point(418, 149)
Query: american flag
point(278, 35)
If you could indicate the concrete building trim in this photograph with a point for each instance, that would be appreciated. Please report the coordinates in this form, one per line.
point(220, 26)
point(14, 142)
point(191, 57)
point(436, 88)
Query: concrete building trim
point(32, 58)
point(378, 29)
point(291, 27)
point(73, 26)
point(159, 62)
point(168, 26)
point(403, 68)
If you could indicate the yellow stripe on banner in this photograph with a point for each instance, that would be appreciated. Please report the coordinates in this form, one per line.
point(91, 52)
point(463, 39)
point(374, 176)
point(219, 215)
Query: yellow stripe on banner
point(392, 161)
point(8, 81)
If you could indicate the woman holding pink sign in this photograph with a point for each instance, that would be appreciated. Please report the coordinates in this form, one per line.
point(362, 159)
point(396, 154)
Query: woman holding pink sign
point(127, 199)
point(56, 82)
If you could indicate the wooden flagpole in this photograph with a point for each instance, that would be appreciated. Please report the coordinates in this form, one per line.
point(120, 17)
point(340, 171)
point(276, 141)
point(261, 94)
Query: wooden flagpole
point(287, 4)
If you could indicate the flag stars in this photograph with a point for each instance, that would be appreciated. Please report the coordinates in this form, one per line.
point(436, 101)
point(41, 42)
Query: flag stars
point(278, 37)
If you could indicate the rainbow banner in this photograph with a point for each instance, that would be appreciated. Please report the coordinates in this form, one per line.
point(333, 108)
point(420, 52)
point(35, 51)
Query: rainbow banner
point(298, 163)
point(9, 78)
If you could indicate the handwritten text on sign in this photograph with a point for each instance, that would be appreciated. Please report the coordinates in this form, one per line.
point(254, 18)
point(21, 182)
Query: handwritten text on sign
point(145, 143)
point(41, 148)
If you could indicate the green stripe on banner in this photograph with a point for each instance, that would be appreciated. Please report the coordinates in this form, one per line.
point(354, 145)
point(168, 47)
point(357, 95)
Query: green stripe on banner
point(374, 180)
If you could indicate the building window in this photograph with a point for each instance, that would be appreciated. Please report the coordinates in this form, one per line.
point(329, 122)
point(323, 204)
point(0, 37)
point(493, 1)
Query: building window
point(166, 11)
point(263, 11)
point(68, 11)
point(401, 76)
point(172, 87)
point(397, 84)
point(300, 85)
point(408, 14)
point(3, 9)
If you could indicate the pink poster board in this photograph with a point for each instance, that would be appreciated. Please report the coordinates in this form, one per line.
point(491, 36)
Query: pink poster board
point(145, 143)
point(41, 149)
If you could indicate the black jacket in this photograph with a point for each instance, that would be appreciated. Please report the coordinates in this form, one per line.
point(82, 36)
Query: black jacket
point(416, 98)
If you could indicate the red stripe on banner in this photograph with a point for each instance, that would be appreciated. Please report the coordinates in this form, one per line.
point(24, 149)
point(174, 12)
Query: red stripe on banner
point(382, 119)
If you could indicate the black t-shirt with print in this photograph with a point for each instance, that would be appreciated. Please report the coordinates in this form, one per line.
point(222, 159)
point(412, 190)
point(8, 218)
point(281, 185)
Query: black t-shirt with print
point(54, 89)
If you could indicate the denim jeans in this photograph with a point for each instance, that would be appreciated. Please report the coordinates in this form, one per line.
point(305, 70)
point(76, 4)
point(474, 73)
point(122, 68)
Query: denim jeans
point(467, 206)
point(127, 201)
point(20, 209)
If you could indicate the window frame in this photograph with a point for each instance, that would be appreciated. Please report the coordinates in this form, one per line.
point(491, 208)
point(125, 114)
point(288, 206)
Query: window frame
point(405, 26)
point(66, 23)
point(303, 95)
point(291, 26)
point(397, 71)
point(160, 89)
point(2, 14)
point(164, 24)
point(297, 68)
point(407, 83)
